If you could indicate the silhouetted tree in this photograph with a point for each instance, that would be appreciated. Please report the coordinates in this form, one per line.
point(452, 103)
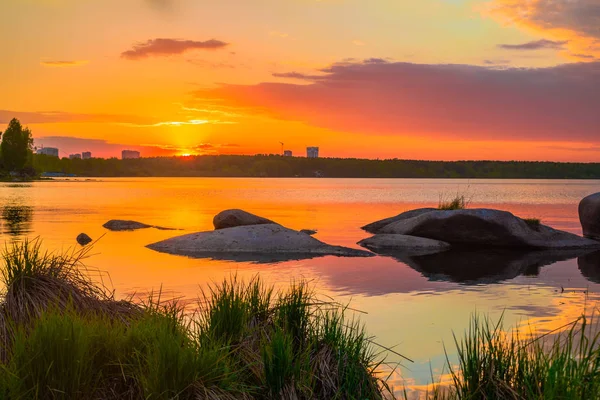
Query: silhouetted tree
point(16, 146)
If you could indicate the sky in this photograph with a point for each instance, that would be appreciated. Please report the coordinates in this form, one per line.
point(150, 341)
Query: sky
point(426, 79)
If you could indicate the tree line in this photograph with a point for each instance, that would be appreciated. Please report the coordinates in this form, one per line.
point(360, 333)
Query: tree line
point(278, 166)
point(17, 158)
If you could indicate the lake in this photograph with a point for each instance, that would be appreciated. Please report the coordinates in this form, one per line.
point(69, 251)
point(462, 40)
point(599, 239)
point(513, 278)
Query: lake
point(412, 304)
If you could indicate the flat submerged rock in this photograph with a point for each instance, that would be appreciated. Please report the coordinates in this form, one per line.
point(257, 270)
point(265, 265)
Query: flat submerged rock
point(266, 239)
point(118, 225)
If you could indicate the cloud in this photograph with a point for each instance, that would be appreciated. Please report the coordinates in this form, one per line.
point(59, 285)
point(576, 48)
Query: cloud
point(435, 101)
point(56, 117)
point(166, 47)
point(51, 117)
point(573, 20)
point(583, 56)
point(496, 62)
point(61, 63)
point(535, 45)
point(358, 43)
point(295, 75)
point(579, 16)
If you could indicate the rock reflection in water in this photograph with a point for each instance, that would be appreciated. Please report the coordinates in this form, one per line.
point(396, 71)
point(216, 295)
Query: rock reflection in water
point(482, 266)
point(589, 265)
point(16, 220)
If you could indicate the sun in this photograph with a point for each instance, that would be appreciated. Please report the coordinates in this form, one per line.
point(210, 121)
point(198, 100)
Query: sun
point(185, 155)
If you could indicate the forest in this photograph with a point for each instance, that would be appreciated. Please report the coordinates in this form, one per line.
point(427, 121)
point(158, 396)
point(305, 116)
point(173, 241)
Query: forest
point(279, 166)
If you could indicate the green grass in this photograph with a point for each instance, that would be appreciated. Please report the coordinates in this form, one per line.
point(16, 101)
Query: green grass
point(66, 338)
point(495, 364)
point(459, 202)
point(533, 223)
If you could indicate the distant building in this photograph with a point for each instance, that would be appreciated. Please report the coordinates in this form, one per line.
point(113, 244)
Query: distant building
point(287, 153)
point(49, 151)
point(86, 155)
point(75, 156)
point(312, 152)
point(126, 154)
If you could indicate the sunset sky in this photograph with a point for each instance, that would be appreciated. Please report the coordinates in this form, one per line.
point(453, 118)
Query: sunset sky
point(416, 79)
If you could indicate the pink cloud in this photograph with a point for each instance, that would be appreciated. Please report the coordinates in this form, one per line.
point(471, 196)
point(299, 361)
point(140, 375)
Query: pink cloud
point(448, 101)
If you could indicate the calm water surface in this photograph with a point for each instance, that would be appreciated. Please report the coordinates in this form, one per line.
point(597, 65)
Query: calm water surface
point(414, 304)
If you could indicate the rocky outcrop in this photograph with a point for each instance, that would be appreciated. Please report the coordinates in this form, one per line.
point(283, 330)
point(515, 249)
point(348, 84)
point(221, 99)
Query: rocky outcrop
point(124, 225)
point(83, 239)
point(485, 228)
point(234, 217)
point(250, 241)
point(374, 227)
point(308, 231)
point(405, 243)
point(589, 215)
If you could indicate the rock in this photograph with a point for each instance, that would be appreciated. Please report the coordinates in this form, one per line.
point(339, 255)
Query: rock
point(309, 231)
point(374, 227)
point(234, 217)
point(83, 239)
point(589, 215)
point(485, 228)
point(411, 244)
point(250, 241)
point(122, 225)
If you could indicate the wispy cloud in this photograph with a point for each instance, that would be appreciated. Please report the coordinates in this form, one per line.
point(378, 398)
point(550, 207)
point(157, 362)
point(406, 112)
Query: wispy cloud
point(64, 63)
point(55, 117)
point(583, 56)
point(358, 43)
point(167, 47)
point(536, 45)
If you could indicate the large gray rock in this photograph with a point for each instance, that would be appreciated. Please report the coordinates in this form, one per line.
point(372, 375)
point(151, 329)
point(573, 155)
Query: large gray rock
point(589, 215)
point(374, 227)
point(256, 240)
point(486, 228)
point(406, 243)
point(124, 225)
point(234, 217)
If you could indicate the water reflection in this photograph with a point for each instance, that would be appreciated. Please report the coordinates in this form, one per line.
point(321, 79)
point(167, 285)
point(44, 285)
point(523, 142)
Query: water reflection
point(589, 265)
point(16, 219)
point(484, 265)
point(255, 258)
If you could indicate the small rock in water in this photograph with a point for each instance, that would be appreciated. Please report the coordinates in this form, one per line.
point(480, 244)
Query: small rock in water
point(83, 239)
point(309, 231)
point(121, 225)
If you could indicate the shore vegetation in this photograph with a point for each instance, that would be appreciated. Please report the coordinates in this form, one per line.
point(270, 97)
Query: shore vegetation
point(66, 337)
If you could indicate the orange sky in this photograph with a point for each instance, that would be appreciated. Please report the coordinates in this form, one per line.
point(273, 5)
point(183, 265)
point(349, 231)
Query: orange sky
point(433, 79)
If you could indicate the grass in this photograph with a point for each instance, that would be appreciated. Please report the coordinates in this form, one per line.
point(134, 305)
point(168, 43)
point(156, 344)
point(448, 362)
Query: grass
point(459, 202)
point(533, 223)
point(65, 337)
point(495, 364)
